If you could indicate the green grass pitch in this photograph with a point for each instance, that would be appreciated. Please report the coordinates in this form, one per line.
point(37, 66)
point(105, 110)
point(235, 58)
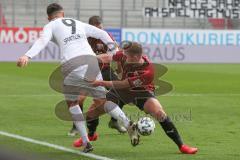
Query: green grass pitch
point(205, 106)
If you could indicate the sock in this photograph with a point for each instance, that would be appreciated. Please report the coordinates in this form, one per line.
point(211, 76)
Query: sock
point(114, 110)
point(171, 131)
point(79, 122)
point(113, 119)
point(74, 127)
point(92, 126)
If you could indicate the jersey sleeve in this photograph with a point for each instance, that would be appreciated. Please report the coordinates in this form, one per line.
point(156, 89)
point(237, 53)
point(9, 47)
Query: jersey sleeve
point(97, 33)
point(41, 43)
point(141, 80)
point(118, 56)
point(111, 36)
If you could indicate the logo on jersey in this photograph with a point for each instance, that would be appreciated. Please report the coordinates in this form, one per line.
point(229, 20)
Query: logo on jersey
point(72, 38)
point(137, 83)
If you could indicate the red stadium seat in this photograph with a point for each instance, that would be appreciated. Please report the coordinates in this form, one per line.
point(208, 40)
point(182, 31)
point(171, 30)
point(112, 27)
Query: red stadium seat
point(219, 23)
point(3, 22)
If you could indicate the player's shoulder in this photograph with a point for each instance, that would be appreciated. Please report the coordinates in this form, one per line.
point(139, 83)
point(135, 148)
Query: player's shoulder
point(49, 25)
point(53, 22)
point(65, 19)
point(111, 36)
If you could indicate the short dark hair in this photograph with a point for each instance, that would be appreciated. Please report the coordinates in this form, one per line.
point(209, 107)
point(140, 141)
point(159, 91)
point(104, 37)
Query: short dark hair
point(53, 8)
point(95, 20)
point(133, 48)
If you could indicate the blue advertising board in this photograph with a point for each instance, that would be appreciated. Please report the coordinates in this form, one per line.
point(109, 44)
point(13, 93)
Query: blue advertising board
point(116, 33)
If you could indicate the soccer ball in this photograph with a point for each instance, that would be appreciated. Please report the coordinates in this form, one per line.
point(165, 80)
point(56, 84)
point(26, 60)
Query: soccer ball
point(145, 126)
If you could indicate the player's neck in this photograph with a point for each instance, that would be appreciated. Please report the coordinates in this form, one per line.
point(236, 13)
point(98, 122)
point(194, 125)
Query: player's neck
point(55, 17)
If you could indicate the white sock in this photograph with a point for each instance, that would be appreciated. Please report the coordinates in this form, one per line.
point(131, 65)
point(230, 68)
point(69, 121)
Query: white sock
point(79, 122)
point(114, 110)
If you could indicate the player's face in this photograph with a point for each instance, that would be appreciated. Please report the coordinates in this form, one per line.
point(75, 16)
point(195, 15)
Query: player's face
point(133, 58)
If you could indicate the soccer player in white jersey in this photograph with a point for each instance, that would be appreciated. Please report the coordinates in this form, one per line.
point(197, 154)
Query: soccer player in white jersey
point(71, 37)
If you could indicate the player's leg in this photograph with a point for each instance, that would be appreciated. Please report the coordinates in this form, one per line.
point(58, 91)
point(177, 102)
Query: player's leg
point(114, 111)
point(92, 121)
point(113, 123)
point(79, 121)
point(98, 108)
point(153, 107)
point(99, 95)
point(109, 75)
point(75, 84)
point(74, 131)
point(116, 98)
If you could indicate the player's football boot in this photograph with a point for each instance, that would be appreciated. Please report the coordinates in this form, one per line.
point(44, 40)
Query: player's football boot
point(73, 132)
point(188, 150)
point(88, 148)
point(115, 125)
point(78, 143)
point(133, 133)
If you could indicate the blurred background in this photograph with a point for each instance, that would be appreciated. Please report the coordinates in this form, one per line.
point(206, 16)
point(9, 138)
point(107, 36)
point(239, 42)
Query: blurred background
point(165, 40)
point(117, 13)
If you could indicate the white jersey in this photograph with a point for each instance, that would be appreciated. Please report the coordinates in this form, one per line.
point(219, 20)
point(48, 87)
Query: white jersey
point(71, 37)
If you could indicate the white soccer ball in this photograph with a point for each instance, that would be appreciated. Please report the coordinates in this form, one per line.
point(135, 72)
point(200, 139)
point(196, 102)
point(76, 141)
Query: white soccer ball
point(145, 126)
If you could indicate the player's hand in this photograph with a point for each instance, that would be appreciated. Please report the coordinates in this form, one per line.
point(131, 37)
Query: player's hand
point(98, 83)
point(23, 61)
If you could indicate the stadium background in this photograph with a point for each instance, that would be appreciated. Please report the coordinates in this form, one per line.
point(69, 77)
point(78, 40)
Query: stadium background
point(204, 104)
point(125, 20)
point(121, 13)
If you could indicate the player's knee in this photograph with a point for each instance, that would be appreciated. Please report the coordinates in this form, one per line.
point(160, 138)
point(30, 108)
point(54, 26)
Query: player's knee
point(72, 103)
point(99, 102)
point(153, 107)
point(109, 106)
point(160, 116)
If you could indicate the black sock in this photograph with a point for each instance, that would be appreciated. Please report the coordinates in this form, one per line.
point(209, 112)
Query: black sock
point(92, 126)
point(113, 119)
point(74, 127)
point(171, 131)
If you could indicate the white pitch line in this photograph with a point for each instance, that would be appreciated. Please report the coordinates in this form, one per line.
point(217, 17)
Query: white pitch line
point(57, 147)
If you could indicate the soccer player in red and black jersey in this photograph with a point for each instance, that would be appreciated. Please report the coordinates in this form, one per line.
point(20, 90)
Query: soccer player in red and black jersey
point(108, 74)
point(137, 87)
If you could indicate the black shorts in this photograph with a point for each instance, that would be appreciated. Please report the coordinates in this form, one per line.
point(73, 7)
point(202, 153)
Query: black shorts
point(108, 74)
point(126, 96)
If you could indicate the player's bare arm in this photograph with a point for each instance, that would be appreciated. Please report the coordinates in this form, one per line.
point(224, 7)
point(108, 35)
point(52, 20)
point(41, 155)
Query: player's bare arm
point(104, 58)
point(37, 46)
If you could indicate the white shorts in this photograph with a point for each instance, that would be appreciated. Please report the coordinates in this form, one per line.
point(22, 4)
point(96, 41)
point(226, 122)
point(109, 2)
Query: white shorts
point(75, 85)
